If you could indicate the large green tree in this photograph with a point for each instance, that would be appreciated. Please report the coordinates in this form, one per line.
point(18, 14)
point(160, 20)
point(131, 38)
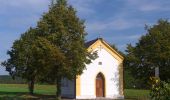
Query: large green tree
point(152, 50)
point(30, 58)
point(21, 62)
point(66, 31)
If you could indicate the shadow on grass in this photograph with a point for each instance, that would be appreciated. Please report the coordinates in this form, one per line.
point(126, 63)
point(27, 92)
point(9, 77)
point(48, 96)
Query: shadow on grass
point(24, 96)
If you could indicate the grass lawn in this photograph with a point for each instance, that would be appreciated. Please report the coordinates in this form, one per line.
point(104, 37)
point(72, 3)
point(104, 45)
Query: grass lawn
point(20, 92)
point(133, 94)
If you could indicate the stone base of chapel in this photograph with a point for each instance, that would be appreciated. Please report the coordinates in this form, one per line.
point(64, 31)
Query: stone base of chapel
point(99, 98)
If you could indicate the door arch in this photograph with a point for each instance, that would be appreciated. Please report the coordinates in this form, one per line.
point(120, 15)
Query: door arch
point(100, 85)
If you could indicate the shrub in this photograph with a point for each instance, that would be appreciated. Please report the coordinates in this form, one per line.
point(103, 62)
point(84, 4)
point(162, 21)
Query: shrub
point(159, 89)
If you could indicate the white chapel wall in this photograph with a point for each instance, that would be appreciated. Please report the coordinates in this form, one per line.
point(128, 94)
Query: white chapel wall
point(109, 68)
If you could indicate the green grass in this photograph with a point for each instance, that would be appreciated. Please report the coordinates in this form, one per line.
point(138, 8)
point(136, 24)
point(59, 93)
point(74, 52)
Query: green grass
point(136, 94)
point(39, 89)
point(20, 92)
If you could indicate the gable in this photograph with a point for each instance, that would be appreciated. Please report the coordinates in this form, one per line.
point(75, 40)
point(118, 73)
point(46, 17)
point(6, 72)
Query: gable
point(92, 45)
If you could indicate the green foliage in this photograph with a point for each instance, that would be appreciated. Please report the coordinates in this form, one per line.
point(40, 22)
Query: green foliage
point(26, 58)
point(21, 57)
point(65, 30)
point(129, 81)
point(47, 56)
point(159, 89)
point(152, 50)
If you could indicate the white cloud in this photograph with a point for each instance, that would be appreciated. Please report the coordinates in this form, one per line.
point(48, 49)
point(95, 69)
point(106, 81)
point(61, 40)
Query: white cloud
point(19, 6)
point(23, 22)
point(84, 7)
point(149, 5)
point(133, 37)
point(124, 37)
point(18, 13)
point(24, 3)
point(114, 24)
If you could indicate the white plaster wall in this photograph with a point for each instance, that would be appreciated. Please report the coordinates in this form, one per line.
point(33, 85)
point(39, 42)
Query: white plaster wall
point(109, 68)
point(69, 90)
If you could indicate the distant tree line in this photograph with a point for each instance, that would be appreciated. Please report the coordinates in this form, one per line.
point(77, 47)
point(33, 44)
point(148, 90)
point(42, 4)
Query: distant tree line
point(6, 79)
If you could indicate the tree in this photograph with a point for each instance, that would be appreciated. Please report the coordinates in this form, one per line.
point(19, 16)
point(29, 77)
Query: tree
point(21, 62)
point(152, 50)
point(66, 31)
point(31, 57)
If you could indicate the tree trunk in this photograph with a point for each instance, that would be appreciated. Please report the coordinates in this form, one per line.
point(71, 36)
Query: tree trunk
point(58, 86)
point(31, 86)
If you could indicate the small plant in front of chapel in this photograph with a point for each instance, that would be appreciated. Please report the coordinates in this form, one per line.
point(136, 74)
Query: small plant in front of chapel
point(159, 89)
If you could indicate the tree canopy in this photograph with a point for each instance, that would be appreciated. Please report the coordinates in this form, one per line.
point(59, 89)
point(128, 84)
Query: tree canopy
point(152, 50)
point(22, 62)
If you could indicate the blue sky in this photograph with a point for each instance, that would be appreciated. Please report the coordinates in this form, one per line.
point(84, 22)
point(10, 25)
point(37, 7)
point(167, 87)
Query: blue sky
point(119, 22)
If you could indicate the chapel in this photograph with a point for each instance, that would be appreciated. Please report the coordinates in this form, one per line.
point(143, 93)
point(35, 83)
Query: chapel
point(103, 78)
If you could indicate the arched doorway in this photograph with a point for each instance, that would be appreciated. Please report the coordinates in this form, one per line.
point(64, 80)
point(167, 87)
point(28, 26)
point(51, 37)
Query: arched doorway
point(100, 85)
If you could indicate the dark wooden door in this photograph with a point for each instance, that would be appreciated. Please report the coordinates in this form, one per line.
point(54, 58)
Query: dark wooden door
point(99, 85)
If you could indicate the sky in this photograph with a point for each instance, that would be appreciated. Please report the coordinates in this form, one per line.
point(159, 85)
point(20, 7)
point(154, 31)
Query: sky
point(118, 22)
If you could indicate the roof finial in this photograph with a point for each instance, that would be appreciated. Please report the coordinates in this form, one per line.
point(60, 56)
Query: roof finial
point(99, 37)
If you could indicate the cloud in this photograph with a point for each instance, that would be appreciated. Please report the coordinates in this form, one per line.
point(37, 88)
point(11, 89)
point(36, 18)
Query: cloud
point(19, 14)
point(133, 37)
point(21, 22)
point(148, 6)
point(11, 8)
point(114, 24)
point(84, 7)
point(24, 3)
